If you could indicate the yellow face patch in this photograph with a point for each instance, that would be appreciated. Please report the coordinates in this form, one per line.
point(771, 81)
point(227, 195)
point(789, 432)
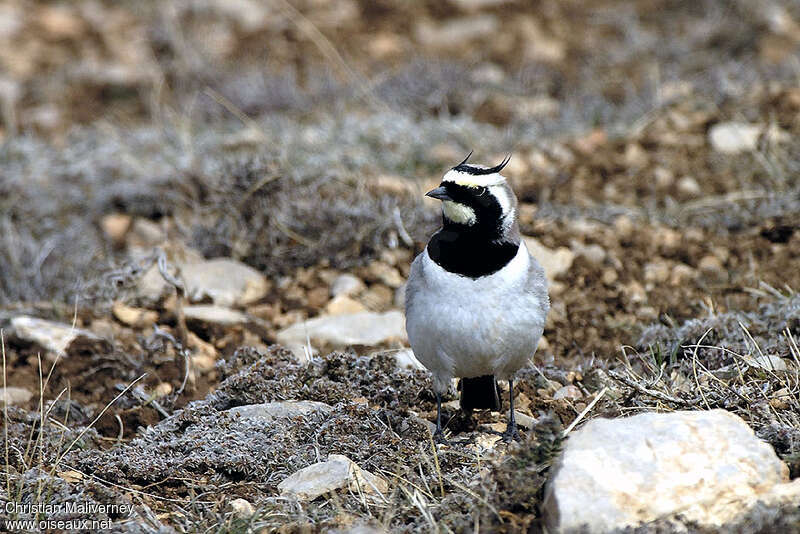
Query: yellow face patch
point(458, 213)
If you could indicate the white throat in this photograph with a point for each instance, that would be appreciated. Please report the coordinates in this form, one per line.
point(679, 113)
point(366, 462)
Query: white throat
point(458, 213)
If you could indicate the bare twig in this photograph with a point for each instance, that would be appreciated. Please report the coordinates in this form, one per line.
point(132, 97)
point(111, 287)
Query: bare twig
point(651, 392)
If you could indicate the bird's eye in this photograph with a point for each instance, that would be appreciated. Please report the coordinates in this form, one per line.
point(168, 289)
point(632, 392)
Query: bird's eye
point(482, 191)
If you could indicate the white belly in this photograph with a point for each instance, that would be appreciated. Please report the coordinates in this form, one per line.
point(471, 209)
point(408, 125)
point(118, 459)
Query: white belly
point(460, 327)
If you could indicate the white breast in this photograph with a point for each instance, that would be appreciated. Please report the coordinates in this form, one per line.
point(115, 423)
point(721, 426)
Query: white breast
point(464, 327)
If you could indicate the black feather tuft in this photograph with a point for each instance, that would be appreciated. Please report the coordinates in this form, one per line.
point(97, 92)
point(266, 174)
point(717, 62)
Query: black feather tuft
point(477, 171)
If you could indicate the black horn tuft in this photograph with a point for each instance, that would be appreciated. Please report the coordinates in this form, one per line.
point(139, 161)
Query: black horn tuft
point(477, 171)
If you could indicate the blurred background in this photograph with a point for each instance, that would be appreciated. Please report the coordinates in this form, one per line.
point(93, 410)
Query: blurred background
point(272, 155)
point(654, 146)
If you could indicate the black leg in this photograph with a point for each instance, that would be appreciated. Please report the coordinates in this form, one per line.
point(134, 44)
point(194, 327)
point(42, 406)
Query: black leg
point(438, 436)
point(511, 429)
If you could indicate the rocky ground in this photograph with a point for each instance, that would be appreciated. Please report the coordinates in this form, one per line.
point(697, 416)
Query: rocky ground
point(209, 209)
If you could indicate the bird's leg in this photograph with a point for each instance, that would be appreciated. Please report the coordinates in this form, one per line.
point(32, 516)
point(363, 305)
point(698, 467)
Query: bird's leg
point(511, 432)
point(438, 436)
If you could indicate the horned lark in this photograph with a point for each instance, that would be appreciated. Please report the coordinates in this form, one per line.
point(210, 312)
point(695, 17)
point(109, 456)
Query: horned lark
point(476, 300)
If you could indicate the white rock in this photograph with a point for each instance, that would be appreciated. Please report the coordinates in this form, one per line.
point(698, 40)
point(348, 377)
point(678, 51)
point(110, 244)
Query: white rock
point(456, 32)
point(242, 508)
point(364, 328)
point(269, 411)
point(554, 262)
point(227, 282)
point(568, 392)
point(734, 137)
point(594, 253)
point(13, 396)
point(57, 338)
point(347, 285)
point(767, 362)
point(406, 360)
point(706, 466)
point(214, 314)
point(323, 477)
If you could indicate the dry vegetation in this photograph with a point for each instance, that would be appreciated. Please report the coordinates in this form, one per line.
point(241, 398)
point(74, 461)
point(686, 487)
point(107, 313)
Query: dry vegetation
point(298, 137)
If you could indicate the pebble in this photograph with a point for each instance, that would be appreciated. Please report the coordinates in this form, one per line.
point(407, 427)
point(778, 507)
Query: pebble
point(347, 285)
point(568, 392)
point(734, 137)
point(323, 477)
point(343, 305)
point(14, 396)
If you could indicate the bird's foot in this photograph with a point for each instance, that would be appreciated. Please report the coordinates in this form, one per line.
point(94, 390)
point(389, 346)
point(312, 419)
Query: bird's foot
point(438, 437)
point(511, 434)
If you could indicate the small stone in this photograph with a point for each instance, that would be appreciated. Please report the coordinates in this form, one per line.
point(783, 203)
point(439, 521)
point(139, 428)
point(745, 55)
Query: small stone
point(623, 225)
point(336, 473)
point(455, 33)
point(14, 396)
point(162, 389)
point(343, 305)
point(734, 137)
point(366, 328)
point(58, 338)
point(594, 254)
point(555, 262)
point(381, 272)
point(635, 292)
point(664, 177)
point(544, 345)
point(656, 272)
point(689, 187)
point(635, 156)
point(290, 409)
point(681, 274)
point(712, 266)
point(524, 420)
point(706, 466)
point(204, 355)
point(317, 297)
point(135, 317)
point(766, 362)
point(568, 392)
point(378, 297)
point(225, 281)
point(115, 227)
point(60, 22)
point(242, 508)
point(610, 276)
point(780, 399)
point(382, 45)
point(214, 315)
point(347, 285)
point(145, 234)
point(406, 360)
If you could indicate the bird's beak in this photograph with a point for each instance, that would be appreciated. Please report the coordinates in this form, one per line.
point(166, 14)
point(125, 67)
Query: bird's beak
point(438, 193)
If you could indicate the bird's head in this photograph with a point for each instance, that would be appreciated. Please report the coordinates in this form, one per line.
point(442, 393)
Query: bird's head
point(478, 199)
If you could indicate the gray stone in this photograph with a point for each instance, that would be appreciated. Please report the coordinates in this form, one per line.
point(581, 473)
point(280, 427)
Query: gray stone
point(406, 360)
point(456, 33)
point(14, 396)
point(214, 315)
point(225, 281)
point(323, 477)
point(734, 137)
point(270, 411)
point(554, 262)
point(56, 338)
point(366, 328)
point(348, 285)
point(706, 466)
point(766, 362)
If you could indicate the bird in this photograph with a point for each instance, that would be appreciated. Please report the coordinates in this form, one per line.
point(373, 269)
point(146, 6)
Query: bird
point(476, 300)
